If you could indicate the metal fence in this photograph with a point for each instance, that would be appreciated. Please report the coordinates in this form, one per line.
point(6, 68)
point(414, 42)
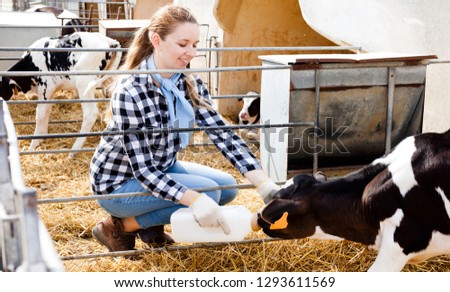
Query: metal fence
point(16, 252)
point(98, 134)
point(25, 244)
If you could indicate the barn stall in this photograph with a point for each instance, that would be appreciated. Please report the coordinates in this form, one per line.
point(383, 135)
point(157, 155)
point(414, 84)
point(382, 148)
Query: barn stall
point(66, 207)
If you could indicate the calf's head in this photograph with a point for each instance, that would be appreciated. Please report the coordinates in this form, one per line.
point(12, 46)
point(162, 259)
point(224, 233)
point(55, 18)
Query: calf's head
point(250, 111)
point(293, 203)
point(8, 88)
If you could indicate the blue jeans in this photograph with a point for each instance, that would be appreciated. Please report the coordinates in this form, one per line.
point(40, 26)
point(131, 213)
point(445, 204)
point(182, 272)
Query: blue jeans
point(152, 211)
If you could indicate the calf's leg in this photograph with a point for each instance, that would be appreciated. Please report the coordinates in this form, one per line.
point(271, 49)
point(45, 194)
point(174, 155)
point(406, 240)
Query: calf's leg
point(390, 256)
point(90, 111)
point(42, 118)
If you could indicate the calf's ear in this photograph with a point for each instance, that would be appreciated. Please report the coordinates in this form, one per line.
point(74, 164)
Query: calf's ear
point(303, 181)
point(14, 87)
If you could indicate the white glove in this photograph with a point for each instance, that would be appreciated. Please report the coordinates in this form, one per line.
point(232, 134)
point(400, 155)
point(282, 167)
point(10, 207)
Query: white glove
point(208, 214)
point(267, 190)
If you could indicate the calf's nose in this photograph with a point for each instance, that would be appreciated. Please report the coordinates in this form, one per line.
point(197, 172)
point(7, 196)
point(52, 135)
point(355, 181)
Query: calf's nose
point(244, 115)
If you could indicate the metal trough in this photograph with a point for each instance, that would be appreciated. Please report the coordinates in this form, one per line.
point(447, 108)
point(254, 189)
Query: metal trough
point(361, 105)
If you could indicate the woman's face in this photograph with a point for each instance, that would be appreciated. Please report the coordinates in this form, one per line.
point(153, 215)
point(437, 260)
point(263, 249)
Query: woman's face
point(178, 48)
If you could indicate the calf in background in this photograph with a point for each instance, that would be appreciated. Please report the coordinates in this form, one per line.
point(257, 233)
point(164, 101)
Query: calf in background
point(398, 205)
point(249, 115)
point(46, 86)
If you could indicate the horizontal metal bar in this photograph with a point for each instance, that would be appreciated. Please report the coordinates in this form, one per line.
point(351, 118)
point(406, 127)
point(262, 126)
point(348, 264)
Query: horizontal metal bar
point(10, 218)
point(50, 122)
point(10, 59)
point(128, 195)
point(120, 72)
point(439, 61)
point(28, 49)
point(161, 130)
point(10, 102)
point(60, 151)
point(59, 101)
point(47, 26)
point(170, 248)
point(234, 96)
point(224, 49)
point(57, 151)
point(306, 48)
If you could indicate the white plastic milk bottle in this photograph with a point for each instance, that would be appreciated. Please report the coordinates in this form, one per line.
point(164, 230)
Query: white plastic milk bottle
point(186, 229)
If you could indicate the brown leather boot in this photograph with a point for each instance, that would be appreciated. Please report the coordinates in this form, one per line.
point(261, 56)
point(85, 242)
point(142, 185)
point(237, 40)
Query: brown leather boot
point(109, 232)
point(155, 236)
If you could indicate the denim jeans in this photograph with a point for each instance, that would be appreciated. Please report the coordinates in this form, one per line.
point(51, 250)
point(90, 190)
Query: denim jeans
point(152, 211)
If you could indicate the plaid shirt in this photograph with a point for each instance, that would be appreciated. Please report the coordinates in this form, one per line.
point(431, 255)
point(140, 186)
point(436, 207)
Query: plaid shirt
point(139, 104)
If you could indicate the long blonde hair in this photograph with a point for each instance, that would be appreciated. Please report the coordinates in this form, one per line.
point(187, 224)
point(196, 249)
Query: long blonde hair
point(163, 22)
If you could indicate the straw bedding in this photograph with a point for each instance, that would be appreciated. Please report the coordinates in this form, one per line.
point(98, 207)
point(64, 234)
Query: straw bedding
point(70, 224)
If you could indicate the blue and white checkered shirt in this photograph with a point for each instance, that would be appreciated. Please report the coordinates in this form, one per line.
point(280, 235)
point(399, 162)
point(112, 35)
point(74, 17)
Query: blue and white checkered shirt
point(139, 104)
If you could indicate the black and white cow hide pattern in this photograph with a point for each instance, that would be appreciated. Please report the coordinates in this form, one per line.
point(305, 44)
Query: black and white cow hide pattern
point(398, 205)
point(250, 115)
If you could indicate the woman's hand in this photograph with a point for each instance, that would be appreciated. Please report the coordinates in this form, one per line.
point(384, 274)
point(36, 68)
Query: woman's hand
point(265, 187)
point(207, 213)
point(267, 190)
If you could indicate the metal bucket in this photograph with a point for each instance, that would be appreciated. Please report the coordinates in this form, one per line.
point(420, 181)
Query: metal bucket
point(356, 107)
point(353, 111)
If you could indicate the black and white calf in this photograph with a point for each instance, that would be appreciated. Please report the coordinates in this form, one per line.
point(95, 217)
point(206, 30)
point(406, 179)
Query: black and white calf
point(399, 204)
point(250, 114)
point(46, 86)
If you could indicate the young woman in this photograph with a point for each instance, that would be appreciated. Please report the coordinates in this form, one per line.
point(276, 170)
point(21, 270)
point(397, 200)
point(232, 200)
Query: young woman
point(146, 161)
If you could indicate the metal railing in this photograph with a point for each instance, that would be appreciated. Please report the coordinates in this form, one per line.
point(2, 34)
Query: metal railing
point(25, 244)
point(99, 134)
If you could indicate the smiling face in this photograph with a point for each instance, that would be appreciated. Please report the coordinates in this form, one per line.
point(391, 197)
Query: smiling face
point(178, 48)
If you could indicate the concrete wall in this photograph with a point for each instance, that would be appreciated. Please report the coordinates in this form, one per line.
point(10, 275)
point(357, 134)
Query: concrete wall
point(257, 23)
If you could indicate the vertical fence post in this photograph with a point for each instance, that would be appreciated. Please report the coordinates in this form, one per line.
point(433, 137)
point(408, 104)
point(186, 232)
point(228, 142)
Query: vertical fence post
point(10, 244)
point(316, 118)
point(21, 244)
point(29, 232)
point(275, 99)
point(390, 108)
